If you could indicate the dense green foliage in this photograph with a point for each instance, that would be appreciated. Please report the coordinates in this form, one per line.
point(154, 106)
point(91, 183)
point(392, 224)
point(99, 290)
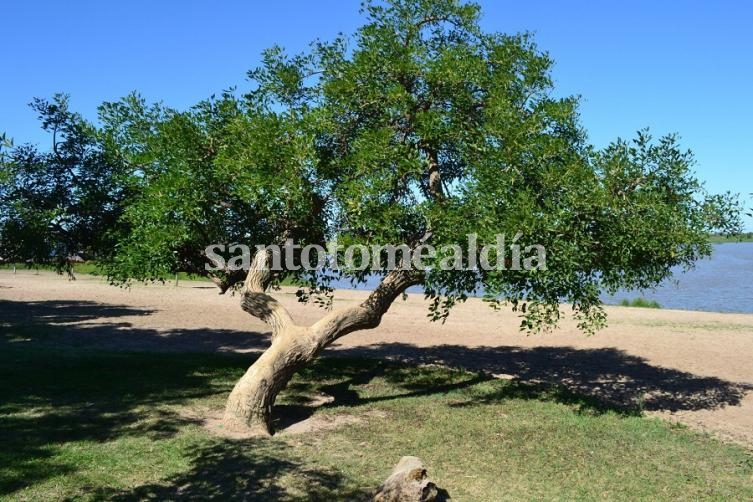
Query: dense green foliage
point(62, 202)
point(418, 128)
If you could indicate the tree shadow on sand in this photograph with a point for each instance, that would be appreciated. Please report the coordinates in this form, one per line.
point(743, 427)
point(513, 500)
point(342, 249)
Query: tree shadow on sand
point(608, 377)
point(99, 326)
point(81, 392)
point(593, 381)
point(63, 311)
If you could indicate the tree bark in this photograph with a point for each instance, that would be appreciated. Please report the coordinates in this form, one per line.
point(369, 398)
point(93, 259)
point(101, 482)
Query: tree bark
point(249, 406)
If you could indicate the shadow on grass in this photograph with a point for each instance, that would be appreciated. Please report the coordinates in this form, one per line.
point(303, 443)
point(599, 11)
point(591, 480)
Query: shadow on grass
point(253, 469)
point(60, 384)
point(342, 379)
point(52, 392)
point(49, 398)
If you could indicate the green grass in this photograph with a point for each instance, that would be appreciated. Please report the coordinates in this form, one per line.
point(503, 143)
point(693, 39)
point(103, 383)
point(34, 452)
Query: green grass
point(641, 303)
point(720, 239)
point(90, 268)
point(93, 269)
point(77, 424)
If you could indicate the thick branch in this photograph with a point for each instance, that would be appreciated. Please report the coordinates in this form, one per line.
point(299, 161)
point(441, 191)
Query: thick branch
point(257, 302)
point(369, 313)
point(230, 279)
point(435, 178)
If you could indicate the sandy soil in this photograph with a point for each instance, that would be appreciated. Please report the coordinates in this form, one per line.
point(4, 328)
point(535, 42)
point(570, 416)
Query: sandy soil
point(692, 367)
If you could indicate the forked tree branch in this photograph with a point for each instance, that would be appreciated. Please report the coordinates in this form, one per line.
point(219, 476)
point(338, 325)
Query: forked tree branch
point(334, 325)
point(257, 302)
point(369, 313)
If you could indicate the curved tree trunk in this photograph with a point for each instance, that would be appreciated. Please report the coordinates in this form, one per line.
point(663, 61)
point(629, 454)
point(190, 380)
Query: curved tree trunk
point(250, 403)
point(249, 406)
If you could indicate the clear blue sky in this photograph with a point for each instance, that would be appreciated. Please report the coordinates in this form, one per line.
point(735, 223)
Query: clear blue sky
point(684, 67)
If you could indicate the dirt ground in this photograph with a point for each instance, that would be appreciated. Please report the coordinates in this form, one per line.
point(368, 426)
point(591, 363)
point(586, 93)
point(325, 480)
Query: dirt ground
point(691, 367)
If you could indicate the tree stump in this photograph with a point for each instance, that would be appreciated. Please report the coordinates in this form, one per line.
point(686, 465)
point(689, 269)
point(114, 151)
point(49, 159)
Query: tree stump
point(409, 483)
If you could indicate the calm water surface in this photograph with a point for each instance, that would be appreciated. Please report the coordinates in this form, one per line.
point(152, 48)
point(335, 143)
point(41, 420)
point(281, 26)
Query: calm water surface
point(720, 283)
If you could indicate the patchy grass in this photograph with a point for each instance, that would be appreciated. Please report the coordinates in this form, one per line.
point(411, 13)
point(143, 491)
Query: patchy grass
point(122, 426)
point(641, 303)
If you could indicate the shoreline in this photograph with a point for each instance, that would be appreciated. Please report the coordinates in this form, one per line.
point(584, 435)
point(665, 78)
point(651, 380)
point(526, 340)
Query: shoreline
point(202, 283)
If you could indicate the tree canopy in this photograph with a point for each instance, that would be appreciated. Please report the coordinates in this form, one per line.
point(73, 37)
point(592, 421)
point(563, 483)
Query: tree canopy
point(63, 201)
point(420, 124)
point(419, 128)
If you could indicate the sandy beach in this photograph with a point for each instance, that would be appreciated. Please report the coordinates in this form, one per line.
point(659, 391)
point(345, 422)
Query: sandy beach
point(691, 367)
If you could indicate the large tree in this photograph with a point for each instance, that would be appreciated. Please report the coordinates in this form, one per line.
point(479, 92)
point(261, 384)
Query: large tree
point(420, 128)
point(62, 201)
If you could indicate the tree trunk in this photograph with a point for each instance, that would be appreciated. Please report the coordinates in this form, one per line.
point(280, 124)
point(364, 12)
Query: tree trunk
point(249, 406)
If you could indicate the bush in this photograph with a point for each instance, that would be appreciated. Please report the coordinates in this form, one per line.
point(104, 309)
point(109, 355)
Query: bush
point(640, 302)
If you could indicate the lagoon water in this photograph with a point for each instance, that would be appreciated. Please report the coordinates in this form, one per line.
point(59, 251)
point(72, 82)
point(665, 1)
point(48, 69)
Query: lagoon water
point(720, 283)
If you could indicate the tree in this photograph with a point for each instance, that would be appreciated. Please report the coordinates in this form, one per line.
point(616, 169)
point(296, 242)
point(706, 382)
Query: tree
point(62, 202)
point(419, 129)
point(217, 174)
